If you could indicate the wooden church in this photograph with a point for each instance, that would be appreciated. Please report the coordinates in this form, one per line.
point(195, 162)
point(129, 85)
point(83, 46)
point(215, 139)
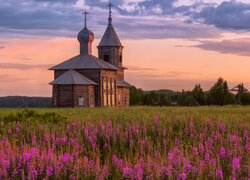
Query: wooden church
point(89, 81)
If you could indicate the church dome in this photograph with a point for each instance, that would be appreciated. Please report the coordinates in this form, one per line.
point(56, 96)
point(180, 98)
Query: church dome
point(85, 36)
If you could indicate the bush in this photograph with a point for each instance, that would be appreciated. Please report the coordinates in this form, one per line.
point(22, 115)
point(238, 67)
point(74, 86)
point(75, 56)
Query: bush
point(31, 115)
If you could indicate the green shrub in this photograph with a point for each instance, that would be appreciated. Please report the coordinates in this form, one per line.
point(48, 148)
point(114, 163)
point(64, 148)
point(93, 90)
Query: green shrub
point(31, 115)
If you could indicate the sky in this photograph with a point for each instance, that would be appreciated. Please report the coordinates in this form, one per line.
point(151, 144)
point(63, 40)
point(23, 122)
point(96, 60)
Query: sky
point(169, 44)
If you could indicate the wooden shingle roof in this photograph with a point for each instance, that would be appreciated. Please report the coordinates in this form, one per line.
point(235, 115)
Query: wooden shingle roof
point(122, 83)
point(84, 62)
point(72, 77)
point(110, 38)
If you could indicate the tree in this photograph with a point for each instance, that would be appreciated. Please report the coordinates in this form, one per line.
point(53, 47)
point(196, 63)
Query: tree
point(186, 99)
point(245, 98)
point(199, 95)
point(219, 91)
point(136, 96)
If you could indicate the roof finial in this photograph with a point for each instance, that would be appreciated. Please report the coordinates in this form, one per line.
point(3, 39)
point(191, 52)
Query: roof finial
point(85, 18)
point(110, 12)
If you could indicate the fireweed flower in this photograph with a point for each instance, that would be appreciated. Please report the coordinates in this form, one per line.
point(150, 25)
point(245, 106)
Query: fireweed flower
point(127, 171)
point(195, 151)
point(49, 171)
point(219, 173)
point(182, 176)
point(138, 172)
point(235, 164)
point(222, 152)
point(156, 120)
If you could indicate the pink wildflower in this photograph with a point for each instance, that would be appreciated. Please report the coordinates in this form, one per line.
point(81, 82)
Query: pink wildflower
point(183, 176)
point(219, 173)
point(222, 152)
point(236, 163)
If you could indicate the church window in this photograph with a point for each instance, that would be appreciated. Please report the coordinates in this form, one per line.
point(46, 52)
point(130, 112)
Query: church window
point(119, 99)
point(92, 99)
point(113, 92)
point(120, 58)
point(81, 100)
point(104, 92)
point(106, 58)
point(55, 103)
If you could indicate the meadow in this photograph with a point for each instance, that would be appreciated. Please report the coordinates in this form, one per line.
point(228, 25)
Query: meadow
point(129, 143)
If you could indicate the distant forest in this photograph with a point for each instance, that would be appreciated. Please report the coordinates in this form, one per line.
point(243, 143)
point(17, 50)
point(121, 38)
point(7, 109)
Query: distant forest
point(219, 94)
point(23, 102)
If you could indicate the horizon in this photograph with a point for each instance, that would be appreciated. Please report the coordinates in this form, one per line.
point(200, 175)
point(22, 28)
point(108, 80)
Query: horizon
point(168, 45)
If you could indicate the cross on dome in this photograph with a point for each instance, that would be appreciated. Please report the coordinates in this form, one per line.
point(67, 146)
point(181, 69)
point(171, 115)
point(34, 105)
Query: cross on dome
point(110, 5)
point(85, 17)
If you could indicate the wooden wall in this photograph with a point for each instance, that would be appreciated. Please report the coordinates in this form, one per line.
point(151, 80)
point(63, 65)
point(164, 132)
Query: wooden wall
point(108, 75)
point(63, 95)
point(84, 91)
point(68, 95)
point(122, 96)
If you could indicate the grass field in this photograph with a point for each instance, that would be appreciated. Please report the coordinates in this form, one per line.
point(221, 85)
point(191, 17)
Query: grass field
point(131, 143)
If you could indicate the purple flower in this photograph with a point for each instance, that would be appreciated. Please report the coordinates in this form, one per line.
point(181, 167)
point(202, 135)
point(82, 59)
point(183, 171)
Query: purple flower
point(219, 173)
point(183, 176)
point(222, 152)
point(7, 164)
point(49, 171)
point(202, 164)
point(171, 156)
point(127, 171)
point(236, 163)
point(65, 157)
point(138, 172)
point(194, 150)
point(156, 120)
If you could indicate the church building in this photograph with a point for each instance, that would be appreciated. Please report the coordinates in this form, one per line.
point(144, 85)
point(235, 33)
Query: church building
point(89, 81)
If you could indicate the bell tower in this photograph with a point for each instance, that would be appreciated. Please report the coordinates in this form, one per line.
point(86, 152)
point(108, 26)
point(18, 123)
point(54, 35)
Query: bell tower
point(110, 48)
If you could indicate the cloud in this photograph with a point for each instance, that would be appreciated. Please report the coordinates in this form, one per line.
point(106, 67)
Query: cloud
point(235, 46)
point(227, 15)
point(2, 47)
point(133, 19)
point(152, 73)
point(137, 68)
point(24, 66)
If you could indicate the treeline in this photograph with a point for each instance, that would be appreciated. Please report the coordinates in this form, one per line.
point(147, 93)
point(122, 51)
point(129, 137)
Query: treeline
point(23, 102)
point(219, 94)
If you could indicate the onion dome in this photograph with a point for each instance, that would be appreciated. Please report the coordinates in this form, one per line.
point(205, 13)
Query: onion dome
point(85, 38)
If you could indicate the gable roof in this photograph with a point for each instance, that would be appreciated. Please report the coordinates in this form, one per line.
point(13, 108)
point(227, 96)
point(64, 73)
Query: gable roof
point(72, 77)
point(122, 83)
point(110, 37)
point(84, 62)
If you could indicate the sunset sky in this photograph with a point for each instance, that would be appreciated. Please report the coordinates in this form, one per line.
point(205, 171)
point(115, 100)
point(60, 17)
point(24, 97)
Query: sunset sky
point(169, 44)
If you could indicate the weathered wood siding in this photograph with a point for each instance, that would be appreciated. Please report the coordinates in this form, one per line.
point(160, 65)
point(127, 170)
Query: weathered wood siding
point(108, 76)
point(84, 91)
point(65, 96)
point(122, 97)
point(120, 74)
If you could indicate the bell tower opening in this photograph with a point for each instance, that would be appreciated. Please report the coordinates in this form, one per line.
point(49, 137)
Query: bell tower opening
point(106, 57)
point(120, 58)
